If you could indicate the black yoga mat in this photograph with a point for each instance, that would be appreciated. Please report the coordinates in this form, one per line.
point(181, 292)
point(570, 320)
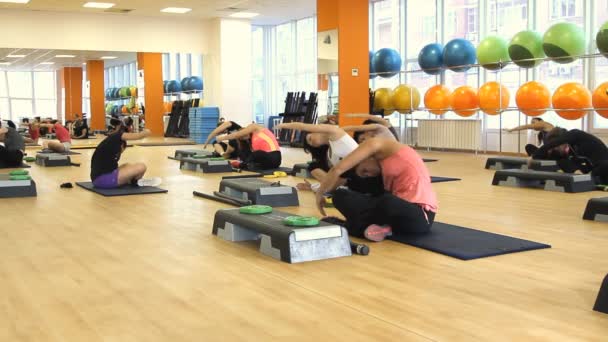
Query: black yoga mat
point(126, 190)
point(429, 160)
point(22, 166)
point(271, 171)
point(466, 243)
point(443, 179)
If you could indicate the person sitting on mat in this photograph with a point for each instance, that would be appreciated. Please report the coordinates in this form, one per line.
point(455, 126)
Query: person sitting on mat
point(263, 150)
point(373, 126)
point(230, 149)
point(328, 145)
point(576, 150)
point(11, 154)
point(33, 129)
point(538, 125)
point(105, 171)
point(407, 207)
point(80, 129)
point(63, 142)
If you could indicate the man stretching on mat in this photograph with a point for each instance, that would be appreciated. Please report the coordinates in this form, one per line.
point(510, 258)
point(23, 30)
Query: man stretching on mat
point(105, 172)
point(11, 154)
point(407, 207)
point(576, 150)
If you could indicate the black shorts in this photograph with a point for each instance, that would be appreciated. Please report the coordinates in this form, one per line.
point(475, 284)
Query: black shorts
point(235, 146)
point(264, 160)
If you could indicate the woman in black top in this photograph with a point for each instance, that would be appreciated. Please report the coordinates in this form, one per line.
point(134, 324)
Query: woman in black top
point(576, 150)
point(105, 171)
point(539, 125)
point(229, 149)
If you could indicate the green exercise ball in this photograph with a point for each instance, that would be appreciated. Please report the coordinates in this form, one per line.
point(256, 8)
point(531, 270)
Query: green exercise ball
point(493, 53)
point(526, 45)
point(564, 41)
point(602, 39)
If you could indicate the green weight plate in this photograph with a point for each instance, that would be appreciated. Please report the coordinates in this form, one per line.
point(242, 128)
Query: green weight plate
point(201, 156)
point(29, 159)
point(255, 209)
point(20, 177)
point(19, 172)
point(301, 221)
point(217, 159)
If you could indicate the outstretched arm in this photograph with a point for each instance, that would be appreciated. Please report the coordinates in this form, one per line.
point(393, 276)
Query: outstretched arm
point(363, 128)
point(218, 130)
point(535, 125)
point(136, 136)
point(375, 118)
point(333, 131)
point(240, 134)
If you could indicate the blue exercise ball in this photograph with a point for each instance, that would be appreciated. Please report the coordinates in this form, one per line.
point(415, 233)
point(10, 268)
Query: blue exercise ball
point(185, 84)
point(372, 71)
point(196, 83)
point(458, 54)
point(430, 59)
point(116, 93)
point(165, 89)
point(387, 62)
point(174, 86)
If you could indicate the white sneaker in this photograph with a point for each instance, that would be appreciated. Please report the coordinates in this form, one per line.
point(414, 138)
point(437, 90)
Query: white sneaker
point(156, 181)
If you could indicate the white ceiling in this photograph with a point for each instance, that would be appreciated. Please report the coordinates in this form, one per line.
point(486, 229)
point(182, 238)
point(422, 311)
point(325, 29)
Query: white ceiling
point(272, 12)
point(33, 58)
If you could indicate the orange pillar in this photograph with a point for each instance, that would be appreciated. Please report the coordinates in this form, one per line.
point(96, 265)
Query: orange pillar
point(152, 66)
point(351, 18)
point(97, 94)
point(71, 82)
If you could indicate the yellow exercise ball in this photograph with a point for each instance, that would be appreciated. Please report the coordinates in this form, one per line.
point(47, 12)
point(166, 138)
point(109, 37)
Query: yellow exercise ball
point(382, 99)
point(406, 99)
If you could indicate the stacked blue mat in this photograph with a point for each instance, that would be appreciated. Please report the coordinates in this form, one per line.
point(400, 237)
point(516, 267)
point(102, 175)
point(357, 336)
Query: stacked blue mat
point(203, 120)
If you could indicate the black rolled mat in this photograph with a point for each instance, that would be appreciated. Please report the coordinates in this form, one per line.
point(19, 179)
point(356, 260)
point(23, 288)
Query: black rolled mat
point(126, 190)
point(466, 243)
point(271, 171)
point(429, 160)
point(443, 179)
point(23, 166)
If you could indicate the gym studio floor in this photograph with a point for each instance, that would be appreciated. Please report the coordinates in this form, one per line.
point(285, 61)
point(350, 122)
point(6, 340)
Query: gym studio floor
point(75, 266)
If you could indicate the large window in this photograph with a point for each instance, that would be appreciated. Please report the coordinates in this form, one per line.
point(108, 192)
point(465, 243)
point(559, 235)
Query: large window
point(25, 94)
point(284, 60)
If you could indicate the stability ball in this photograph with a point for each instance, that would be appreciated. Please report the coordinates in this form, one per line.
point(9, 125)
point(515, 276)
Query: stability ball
point(372, 71)
point(533, 98)
point(465, 101)
point(195, 83)
point(571, 95)
point(185, 83)
point(116, 93)
point(493, 98)
point(564, 42)
point(524, 46)
point(382, 99)
point(438, 99)
point(133, 91)
point(601, 39)
point(493, 53)
point(174, 86)
point(459, 54)
point(405, 98)
point(387, 62)
point(600, 99)
point(165, 84)
point(430, 59)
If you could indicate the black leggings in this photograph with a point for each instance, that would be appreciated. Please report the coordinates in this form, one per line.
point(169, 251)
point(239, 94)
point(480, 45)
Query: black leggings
point(362, 210)
point(10, 158)
point(600, 172)
point(262, 160)
point(530, 149)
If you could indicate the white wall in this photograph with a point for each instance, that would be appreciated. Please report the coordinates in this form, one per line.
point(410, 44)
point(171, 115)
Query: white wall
point(101, 32)
point(228, 69)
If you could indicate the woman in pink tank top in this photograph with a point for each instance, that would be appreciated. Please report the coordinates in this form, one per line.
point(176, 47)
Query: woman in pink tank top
point(263, 151)
point(407, 207)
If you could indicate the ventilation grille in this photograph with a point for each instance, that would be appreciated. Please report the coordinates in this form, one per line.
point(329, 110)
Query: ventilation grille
point(118, 10)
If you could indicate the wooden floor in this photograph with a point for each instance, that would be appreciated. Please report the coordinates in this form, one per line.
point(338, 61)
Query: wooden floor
point(75, 266)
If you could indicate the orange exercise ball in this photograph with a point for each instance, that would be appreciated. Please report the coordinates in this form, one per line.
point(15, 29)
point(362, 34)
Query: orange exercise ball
point(571, 95)
point(405, 99)
point(124, 109)
point(383, 100)
point(533, 98)
point(438, 99)
point(600, 99)
point(493, 97)
point(465, 101)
